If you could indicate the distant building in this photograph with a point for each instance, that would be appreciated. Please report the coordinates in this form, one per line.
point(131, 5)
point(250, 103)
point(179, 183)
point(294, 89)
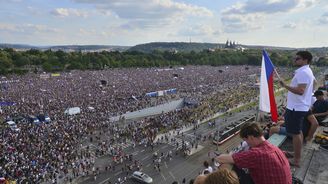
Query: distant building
point(173, 51)
point(233, 45)
point(230, 45)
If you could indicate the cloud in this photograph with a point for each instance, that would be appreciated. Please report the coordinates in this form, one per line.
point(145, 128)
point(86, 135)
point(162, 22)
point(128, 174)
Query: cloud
point(7, 27)
point(323, 19)
point(84, 32)
point(198, 30)
point(308, 3)
point(249, 15)
point(148, 13)
point(67, 12)
point(28, 28)
point(262, 6)
point(242, 23)
point(289, 25)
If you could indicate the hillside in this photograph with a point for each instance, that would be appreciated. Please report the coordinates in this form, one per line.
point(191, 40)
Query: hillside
point(69, 48)
point(149, 47)
point(16, 46)
point(89, 48)
point(175, 46)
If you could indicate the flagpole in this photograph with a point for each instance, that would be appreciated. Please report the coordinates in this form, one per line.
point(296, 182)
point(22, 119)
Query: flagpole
point(277, 74)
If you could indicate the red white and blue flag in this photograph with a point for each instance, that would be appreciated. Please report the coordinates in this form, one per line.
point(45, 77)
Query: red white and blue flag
point(267, 100)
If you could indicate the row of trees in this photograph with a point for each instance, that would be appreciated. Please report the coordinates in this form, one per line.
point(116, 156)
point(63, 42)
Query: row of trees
point(12, 61)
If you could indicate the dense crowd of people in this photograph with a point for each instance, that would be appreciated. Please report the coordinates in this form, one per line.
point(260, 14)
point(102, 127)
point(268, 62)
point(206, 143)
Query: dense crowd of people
point(41, 152)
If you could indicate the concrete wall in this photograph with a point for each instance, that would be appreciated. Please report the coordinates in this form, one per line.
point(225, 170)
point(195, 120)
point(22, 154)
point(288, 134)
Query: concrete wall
point(167, 107)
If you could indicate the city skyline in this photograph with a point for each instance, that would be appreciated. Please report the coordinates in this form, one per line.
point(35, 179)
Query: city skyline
point(288, 23)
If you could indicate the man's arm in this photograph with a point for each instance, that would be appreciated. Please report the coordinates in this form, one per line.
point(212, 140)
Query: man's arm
point(225, 159)
point(315, 83)
point(299, 89)
point(279, 123)
point(321, 114)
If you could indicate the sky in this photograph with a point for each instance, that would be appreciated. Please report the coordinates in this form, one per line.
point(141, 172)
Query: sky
point(287, 23)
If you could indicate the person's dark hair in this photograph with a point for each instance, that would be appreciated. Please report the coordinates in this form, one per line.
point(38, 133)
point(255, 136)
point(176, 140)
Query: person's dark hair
point(253, 129)
point(206, 172)
point(318, 93)
point(222, 176)
point(206, 164)
point(175, 182)
point(305, 55)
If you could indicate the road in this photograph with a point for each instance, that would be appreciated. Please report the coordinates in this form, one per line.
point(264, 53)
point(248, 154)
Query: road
point(180, 166)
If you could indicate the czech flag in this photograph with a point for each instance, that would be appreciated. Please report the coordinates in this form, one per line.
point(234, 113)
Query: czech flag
point(267, 100)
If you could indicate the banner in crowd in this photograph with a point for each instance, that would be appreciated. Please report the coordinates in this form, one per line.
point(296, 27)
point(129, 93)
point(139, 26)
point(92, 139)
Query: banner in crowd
point(7, 103)
point(162, 93)
point(55, 74)
point(44, 76)
point(152, 94)
point(8, 81)
point(171, 91)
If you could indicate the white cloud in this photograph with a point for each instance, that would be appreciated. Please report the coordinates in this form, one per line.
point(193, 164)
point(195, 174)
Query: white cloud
point(289, 25)
point(262, 6)
point(84, 32)
point(323, 19)
point(201, 30)
point(307, 3)
point(249, 15)
point(39, 28)
point(149, 13)
point(66, 12)
point(7, 27)
point(28, 28)
point(234, 23)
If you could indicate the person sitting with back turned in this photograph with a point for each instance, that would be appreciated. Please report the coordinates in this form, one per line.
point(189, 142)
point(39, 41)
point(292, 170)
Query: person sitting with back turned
point(222, 176)
point(320, 107)
point(266, 163)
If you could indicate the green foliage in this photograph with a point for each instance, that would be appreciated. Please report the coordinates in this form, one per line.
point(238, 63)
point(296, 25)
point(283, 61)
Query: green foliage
point(323, 61)
point(12, 61)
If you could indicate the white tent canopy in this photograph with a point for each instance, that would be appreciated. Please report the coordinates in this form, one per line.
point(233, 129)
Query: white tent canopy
point(72, 111)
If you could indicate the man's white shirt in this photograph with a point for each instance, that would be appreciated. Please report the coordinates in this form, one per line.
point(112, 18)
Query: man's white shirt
point(303, 75)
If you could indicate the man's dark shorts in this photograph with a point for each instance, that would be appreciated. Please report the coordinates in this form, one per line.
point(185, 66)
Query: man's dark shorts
point(294, 121)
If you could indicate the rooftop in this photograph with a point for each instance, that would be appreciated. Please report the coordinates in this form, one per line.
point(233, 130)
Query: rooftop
point(314, 163)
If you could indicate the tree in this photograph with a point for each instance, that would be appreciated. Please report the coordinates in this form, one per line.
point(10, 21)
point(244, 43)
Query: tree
point(5, 61)
point(47, 66)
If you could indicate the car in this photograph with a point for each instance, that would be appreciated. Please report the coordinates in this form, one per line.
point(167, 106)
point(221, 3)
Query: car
point(44, 118)
point(32, 119)
point(141, 177)
point(12, 125)
point(18, 119)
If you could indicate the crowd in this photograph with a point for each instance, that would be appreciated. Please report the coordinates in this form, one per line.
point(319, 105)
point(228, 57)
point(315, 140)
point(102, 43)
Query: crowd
point(41, 153)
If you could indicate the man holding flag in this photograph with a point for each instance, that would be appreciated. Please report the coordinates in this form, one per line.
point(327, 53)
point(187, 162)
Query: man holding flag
point(298, 101)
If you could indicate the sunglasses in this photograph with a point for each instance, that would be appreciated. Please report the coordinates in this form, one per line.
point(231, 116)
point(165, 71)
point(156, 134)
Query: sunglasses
point(297, 58)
